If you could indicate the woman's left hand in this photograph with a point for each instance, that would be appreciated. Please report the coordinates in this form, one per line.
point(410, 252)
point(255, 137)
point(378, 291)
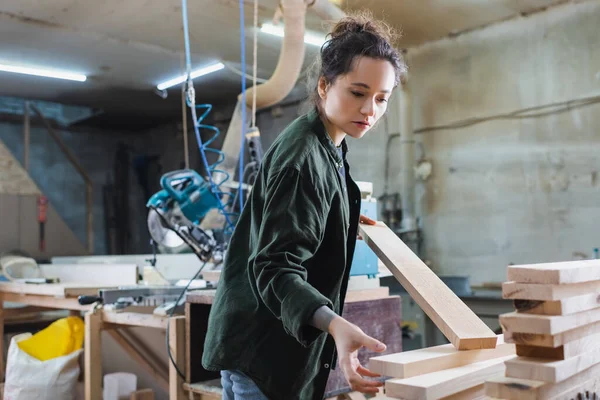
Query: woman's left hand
point(367, 221)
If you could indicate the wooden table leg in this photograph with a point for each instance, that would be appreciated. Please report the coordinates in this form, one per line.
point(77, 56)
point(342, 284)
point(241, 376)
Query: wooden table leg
point(177, 346)
point(93, 356)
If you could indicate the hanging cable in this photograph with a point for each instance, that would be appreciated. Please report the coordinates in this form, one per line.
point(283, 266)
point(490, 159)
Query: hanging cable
point(186, 148)
point(211, 169)
point(238, 72)
point(254, 63)
point(243, 105)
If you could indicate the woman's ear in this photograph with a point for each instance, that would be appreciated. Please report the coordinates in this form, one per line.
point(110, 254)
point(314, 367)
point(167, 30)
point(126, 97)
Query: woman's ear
point(322, 88)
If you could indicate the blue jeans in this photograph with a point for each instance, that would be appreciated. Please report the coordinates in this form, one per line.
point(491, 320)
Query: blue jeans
point(237, 386)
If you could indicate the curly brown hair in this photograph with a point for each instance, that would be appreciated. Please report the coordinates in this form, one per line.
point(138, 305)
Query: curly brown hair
point(354, 36)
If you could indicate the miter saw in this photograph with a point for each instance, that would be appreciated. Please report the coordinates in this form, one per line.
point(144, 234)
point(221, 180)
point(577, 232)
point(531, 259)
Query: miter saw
point(176, 211)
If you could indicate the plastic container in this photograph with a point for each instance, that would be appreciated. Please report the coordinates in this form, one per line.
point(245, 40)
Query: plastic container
point(119, 384)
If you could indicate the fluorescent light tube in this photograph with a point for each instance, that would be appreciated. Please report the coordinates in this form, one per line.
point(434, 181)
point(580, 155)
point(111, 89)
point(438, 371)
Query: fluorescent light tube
point(309, 38)
point(194, 74)
point(43, 72)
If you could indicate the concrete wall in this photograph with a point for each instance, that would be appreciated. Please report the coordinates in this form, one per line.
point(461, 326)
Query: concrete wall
point(502, 191)
point(518, 190)
point(19, 215)
point(95, 150)
point(59, 180)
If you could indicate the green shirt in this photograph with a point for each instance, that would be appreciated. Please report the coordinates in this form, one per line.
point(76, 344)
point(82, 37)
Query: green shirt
point(290, 254)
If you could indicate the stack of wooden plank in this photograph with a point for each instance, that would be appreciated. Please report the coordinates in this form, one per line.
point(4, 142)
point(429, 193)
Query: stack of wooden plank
point(556, 329)
point(441, 372)
point(454, 371)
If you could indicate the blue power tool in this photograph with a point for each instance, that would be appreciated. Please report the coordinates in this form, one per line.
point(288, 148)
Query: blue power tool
point(176, 211)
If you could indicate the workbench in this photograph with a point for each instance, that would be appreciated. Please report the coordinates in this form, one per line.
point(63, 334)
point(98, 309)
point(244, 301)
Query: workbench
point(64, 297)
point(373, 310)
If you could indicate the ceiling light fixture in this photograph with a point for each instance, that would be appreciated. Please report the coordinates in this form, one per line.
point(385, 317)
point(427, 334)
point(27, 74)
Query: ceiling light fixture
point(194, 74)
point(309, 38)
point(43, 72)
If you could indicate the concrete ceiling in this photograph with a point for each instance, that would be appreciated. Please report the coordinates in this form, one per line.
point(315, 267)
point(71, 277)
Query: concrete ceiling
point(127, 47)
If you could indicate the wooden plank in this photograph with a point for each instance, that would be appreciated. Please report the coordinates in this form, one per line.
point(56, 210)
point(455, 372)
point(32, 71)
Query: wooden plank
point(207, 389)
point(560, 339)
point(432, 359)
point(177, 347)
point(556, 273)
point(143, 394)
point(135, 319)
point(474, 393)
point(446, 382)
point(570, 305)
point(45, 301)
point(211, 276)
point(567, 350)
point(201, 296)
point(52, 289)
point(456, 321)
point(534, 291)
point(550, 370)
point(152, 369)
point(367, 294)
point(589, 390)
point(93, 356)
point(547, 324)
point(503, 387)
point(99, 274)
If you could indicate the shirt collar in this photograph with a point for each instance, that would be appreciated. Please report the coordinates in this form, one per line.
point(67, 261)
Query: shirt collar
point(319, 128)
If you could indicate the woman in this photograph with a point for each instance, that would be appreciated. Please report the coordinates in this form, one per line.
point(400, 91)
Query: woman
point(275, 328)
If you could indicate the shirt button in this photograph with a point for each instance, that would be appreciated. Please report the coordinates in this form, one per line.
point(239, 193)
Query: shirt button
point(326, 365)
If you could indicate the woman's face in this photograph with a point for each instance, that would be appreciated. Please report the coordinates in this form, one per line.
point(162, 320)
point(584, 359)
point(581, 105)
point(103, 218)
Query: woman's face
point(356, 100)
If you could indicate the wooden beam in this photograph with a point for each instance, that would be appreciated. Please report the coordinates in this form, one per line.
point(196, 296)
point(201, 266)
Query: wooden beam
point(135, 319)
point(100, 274)
point(432, 359)
point(211, 276)
point(560, 339)
point(52, 289)
point(206, 390)
point(556, 273)
point(93, 356)
point(447, 382)
point(143, 394)
point(567, 350)
point(456, 321)
point(157, 375)
point(569, 305)
point(503, 387)
point(45, 301)
point(201, 296)
point(550, 370)
point(177, 347)
point(547, 324)
point(535, 291)
point(474, 393)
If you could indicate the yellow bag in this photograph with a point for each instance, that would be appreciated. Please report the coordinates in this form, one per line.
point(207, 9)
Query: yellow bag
point(61, 338)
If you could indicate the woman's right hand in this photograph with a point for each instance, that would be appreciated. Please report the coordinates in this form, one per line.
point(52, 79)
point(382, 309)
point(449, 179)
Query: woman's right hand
point(349, 338)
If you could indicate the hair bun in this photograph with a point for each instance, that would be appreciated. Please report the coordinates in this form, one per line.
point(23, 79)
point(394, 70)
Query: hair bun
point(359, 23)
